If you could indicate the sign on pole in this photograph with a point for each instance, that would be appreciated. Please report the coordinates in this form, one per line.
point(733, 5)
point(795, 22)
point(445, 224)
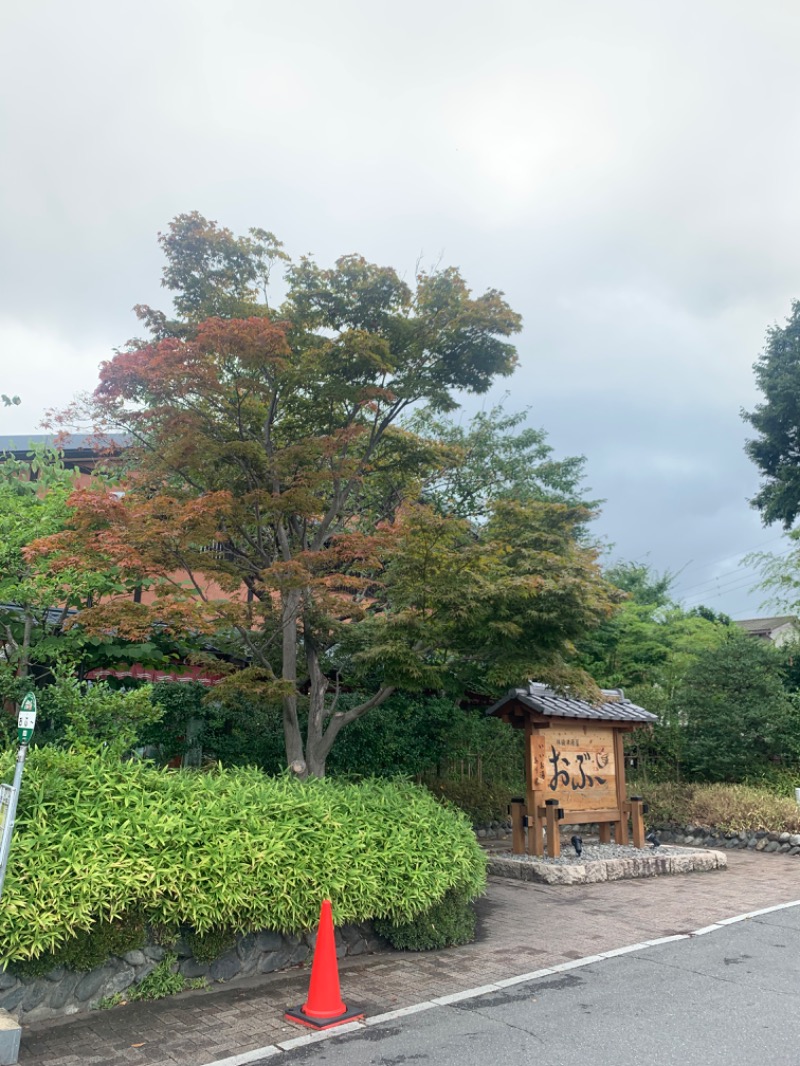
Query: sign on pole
point(27, 719)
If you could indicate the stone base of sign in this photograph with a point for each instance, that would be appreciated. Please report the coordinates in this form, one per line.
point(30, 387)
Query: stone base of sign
point(660, 862)
point(10, 1031)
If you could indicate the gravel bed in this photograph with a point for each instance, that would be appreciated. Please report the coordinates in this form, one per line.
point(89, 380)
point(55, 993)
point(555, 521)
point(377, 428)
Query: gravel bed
point(595, 853)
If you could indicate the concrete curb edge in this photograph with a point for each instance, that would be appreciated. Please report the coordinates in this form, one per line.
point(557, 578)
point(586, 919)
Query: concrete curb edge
point(270, 1050)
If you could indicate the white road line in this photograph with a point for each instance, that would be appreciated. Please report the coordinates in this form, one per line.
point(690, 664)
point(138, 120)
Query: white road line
point(401, 1012)
point(467, 993)
point(483, 990)
point(248, 1056)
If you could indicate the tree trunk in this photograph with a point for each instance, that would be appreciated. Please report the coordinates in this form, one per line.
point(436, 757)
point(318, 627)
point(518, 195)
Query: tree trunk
point(290, 602)
point(25, 649)
point(316, 752)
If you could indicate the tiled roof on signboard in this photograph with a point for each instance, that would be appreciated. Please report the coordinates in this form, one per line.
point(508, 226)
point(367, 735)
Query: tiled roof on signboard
point(540, 698)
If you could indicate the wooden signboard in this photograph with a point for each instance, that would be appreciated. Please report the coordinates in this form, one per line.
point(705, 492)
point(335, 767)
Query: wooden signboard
point(574, 767)
point(575, 764)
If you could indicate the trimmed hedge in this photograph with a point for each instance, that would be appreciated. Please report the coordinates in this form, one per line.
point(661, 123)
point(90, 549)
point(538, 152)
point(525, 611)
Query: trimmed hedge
point(98, 839)
point(447, 924)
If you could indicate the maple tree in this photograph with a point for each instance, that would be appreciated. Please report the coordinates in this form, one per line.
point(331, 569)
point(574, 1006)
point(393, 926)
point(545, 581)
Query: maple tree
point(276, 500)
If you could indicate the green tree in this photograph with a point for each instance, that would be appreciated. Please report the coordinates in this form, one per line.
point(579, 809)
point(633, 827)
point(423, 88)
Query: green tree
point(650, 641)
point(495, 456)
point(646, 649)
point(269, 457)
point(34, 604)
point(212, 273)
point(776, 448)
point(740, 721)
point(97, 718)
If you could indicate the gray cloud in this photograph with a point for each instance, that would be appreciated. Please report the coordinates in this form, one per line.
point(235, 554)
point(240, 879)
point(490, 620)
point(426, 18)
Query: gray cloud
point(625, 171)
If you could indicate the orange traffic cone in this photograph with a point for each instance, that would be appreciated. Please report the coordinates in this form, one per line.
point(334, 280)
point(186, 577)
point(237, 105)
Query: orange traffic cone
point(324, 1007)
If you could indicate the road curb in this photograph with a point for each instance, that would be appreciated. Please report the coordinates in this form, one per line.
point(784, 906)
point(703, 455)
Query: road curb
point(252, 1058)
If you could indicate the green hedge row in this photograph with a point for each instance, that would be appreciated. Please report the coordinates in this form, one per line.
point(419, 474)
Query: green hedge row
point(98, 839)
point(480, 801)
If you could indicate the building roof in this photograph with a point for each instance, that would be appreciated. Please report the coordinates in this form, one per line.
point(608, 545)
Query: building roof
point(544, 700)
point(20, 443)
point(754, 626)
point(52, 616)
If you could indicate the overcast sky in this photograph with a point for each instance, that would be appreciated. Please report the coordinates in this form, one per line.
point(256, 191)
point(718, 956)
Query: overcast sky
point(626, 172)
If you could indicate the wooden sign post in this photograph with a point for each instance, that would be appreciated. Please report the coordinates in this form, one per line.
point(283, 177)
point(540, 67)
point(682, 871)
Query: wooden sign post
point(574, 766)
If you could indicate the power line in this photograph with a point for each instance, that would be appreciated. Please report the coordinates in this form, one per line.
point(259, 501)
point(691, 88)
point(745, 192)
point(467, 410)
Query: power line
point(727, 558)
point(723, 584)
point(750, 585)
point(730, 573)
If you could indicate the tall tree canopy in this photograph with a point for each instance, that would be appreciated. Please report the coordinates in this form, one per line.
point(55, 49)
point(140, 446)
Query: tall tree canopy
point(647, 648)
point(275, 498)
point(776, 448)
point(650, 642)
point(33, 503)
point(740, 720)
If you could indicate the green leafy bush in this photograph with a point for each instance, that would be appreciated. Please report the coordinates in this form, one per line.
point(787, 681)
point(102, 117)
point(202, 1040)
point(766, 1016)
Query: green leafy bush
point(98, 838)
point(407, 735)
point(446, 924)
point(88, 948)
point(740, 720)
point(481, 802)
point(163, 980)
point(98, 716)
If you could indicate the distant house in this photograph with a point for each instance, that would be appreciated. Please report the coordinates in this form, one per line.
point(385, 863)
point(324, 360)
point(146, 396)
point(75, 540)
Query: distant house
point(783, 629)
point(79, 453)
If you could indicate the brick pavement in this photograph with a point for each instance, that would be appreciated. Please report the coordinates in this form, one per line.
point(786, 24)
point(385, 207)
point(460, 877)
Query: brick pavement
point(523, 927)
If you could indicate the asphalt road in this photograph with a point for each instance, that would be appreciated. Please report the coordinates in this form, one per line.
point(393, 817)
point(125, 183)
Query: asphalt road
point(730, 997)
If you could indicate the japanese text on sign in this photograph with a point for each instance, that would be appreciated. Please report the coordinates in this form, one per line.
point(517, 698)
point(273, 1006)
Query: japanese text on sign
point(576, 766)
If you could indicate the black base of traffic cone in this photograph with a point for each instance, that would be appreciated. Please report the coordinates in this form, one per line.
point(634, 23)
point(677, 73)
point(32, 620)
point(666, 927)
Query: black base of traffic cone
point(300, 1016)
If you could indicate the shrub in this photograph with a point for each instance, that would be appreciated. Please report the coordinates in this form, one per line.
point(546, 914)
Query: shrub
point(739, 718)
point(446, 924)
point(732, 808)
point(406, 735)
point(238, 731)
point(97, 838)
point(481, 802)
point(87, 949)
point(206, 947)
point(98, 716)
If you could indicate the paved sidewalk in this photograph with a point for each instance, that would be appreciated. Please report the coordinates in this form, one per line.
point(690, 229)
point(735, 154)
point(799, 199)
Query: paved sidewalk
point(523, 927)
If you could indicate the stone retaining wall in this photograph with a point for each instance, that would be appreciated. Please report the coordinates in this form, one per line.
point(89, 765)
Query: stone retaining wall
point(696, 835)
point(493, 831)
point(63, 991)
point(754, 840)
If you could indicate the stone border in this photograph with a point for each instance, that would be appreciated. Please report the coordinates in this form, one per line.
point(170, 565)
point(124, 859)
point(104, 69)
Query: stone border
point(660, 863)
point(752, 839)
point(693, 835)
point(65, 991)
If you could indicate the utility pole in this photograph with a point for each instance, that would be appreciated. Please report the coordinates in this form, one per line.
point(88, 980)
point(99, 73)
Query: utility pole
point(9, 794)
